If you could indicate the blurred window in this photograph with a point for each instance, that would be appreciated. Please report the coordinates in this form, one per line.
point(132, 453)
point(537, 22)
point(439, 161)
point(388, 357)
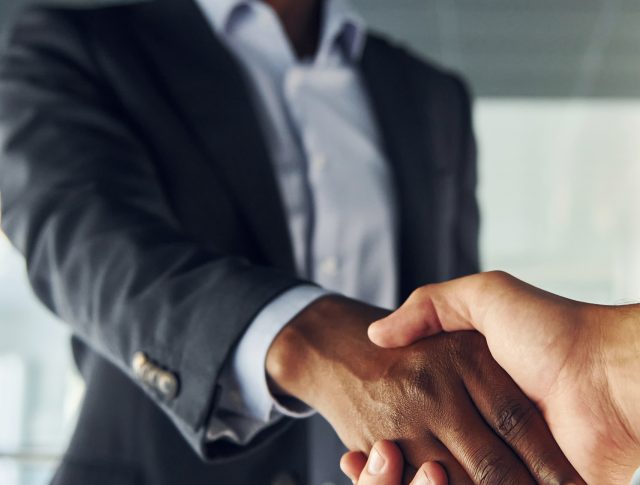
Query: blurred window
point(559, 194)
point(39, 387)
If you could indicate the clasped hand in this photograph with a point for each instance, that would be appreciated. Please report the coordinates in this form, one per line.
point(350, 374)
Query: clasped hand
point(578, 362)
point(442, 399)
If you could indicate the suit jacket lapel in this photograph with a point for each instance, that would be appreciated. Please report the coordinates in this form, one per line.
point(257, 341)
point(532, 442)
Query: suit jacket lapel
point(404, 130)
point(213, 96)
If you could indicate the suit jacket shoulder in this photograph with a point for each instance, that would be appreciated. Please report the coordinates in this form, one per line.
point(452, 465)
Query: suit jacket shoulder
point(423, 69)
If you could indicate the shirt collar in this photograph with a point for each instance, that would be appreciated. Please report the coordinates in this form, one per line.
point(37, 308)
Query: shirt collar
point(341, 24)
point(220, 12)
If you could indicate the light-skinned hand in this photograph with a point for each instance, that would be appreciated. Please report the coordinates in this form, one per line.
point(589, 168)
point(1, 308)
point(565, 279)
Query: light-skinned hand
point(385, 467)
point(578, 362)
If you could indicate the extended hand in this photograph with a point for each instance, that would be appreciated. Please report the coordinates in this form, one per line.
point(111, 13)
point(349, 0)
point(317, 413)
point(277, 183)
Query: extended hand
point(578, 362)
point(443, 399)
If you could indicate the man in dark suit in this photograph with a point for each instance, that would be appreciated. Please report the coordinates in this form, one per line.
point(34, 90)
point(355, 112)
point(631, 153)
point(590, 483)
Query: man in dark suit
point(194, 186)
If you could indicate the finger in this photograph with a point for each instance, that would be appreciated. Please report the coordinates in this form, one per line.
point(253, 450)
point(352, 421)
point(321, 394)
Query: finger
point(352, 464)
point(519, 423)
point(435, 473)
point(426, 312)
point(409, 473)
point(431, 473)
point(482, 454)
point(440, 461)
point(384, 466)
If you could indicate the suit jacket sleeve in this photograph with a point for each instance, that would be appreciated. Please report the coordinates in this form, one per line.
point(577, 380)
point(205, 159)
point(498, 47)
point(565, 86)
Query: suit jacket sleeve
point(82, 202)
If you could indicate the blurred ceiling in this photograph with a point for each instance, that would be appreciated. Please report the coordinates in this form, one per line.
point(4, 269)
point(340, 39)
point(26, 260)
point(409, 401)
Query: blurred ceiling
point(513, 48)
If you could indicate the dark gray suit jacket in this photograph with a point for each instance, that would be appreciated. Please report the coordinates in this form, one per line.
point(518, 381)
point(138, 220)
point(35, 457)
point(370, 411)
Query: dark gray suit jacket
point(136, 182)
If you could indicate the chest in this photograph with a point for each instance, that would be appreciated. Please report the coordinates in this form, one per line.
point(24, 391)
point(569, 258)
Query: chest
point(204, 129)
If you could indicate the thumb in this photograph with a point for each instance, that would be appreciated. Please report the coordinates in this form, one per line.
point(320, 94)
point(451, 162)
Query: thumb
point(384, 466)
point(428, 311)
point(352, 464)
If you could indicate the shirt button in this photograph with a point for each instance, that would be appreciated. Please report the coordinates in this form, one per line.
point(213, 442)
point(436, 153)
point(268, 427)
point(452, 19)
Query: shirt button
point(329, 266)
point(318, 162)
point(293, 81)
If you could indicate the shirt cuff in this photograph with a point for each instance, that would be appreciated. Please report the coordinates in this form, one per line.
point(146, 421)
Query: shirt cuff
point(245, 391)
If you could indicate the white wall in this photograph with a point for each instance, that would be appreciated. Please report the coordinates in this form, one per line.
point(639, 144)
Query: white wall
point(560, 194)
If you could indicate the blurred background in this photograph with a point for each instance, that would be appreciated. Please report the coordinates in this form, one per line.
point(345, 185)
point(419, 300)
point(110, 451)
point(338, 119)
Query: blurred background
point(557, 86)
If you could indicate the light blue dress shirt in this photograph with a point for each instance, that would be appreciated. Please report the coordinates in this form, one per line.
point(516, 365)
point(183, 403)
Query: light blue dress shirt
point(335, 183)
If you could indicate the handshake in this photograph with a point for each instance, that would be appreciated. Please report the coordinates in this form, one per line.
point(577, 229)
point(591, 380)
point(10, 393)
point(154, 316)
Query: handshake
point(527, 388)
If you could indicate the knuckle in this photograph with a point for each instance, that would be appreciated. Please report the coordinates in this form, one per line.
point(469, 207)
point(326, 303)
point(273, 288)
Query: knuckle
point(396, 424)
point(512, 420)
point(417, 294)
point(420, 294)
point(545, 469)
point(497, 274)
point(422, 386)
point(498, 277)
point(492, 470)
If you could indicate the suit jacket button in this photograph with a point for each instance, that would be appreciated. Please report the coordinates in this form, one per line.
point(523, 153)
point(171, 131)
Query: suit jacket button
point(139, 363)
point(167, 384)
point(283, 479)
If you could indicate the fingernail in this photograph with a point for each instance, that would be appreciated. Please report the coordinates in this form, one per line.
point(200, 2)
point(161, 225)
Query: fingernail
point(349, 476)
point(376, 462)
point(421, 479)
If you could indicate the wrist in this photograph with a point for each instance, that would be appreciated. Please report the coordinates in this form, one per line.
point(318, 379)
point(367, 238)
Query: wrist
point(318, 347)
